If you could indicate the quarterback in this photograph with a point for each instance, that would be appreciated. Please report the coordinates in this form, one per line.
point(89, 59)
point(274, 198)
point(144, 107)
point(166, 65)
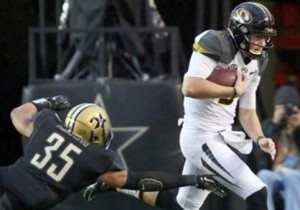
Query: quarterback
point(210, 109)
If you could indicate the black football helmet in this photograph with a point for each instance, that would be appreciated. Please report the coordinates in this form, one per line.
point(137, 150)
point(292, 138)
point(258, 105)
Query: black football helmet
point(251, 18)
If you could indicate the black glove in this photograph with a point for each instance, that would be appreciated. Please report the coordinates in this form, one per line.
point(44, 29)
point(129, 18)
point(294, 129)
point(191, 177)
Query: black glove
point(92, 190)
point(207, 182)
point(59, 102)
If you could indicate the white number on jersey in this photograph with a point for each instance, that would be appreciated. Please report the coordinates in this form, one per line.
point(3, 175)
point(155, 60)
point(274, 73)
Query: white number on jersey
point(40, 163)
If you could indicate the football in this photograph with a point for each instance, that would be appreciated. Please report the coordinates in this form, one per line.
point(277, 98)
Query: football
point(223, 76)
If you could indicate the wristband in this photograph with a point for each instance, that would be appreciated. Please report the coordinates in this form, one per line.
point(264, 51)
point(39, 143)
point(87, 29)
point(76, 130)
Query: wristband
point(42, 103)
point(258, 139)
point(234, 92)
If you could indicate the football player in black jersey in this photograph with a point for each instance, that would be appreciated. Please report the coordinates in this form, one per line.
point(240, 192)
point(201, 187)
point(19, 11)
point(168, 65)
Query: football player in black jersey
point(62, 158)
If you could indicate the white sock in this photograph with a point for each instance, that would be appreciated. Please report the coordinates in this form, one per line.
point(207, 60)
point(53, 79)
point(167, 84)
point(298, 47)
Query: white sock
point(134, 193)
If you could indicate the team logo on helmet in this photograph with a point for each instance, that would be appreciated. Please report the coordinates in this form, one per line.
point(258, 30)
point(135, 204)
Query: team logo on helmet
point(100, 121)
point(242, 15)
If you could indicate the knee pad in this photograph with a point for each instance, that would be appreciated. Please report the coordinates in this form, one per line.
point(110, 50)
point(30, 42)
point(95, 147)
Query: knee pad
point(258, 200)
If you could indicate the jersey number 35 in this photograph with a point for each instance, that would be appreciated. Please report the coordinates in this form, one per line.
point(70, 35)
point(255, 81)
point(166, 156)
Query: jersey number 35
point(51, 171)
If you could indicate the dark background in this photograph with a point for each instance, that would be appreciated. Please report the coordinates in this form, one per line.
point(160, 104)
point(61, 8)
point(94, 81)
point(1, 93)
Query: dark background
point(15, 18)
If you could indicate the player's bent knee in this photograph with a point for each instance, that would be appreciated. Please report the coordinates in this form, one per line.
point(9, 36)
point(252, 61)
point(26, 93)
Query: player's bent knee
point(258, 200)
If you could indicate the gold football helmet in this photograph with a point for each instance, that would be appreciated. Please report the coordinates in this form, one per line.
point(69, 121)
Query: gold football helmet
point(89, 122)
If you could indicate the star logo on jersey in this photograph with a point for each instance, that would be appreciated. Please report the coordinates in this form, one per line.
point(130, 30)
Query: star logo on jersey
point(124, 136)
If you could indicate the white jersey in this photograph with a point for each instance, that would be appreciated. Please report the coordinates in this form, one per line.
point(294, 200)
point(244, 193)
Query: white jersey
point(207, 127)
point(210, 114)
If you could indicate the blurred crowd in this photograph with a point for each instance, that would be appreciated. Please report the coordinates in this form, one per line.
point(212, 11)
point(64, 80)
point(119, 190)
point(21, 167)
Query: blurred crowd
point(282, 175)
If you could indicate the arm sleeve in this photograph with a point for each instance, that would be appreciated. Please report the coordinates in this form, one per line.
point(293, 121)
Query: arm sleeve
point(248, 99)
point(200, 66)
point(156, 181)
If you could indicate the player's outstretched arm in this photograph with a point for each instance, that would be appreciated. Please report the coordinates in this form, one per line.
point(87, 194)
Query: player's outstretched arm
point(156, 181)
point(21, 116)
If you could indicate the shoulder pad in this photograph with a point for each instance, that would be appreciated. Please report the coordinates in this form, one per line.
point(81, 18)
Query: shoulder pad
point(216, 45)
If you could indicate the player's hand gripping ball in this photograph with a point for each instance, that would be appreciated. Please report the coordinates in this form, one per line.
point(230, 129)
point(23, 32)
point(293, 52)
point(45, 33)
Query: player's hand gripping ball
point(223, 76)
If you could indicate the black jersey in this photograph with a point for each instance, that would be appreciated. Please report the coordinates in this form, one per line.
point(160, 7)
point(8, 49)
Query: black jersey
point(55, 164)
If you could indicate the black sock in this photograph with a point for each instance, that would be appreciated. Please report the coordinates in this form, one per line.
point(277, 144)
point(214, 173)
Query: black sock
point(166, 199)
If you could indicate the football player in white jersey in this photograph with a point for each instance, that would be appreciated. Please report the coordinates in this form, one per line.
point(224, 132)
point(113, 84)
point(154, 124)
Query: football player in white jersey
point(210, 108)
